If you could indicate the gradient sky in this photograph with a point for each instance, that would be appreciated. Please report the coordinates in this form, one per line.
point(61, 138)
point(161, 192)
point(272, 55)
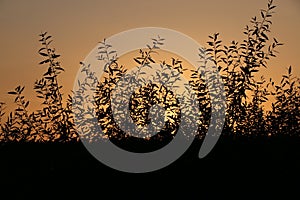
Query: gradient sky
point(77, 26)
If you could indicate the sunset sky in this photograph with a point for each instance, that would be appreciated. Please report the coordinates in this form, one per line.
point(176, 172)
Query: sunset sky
point(77, 26)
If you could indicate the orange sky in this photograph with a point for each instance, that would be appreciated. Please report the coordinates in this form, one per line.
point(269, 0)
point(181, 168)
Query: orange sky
point(77, 26)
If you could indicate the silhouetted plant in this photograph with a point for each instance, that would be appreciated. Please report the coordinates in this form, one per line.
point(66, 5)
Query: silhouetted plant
point(57, 119)
point(2, 113)
point(237, 63)
point(2, 107)
point(22, 118)
point(199, 86)
point(142, 99)
point(284, 118)
point(256, 121)
point(52, 123)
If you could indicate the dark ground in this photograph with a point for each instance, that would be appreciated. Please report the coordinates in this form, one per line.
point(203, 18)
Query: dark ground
point(236, 168)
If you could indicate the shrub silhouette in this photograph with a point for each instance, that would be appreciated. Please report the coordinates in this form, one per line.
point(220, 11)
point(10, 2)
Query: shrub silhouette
point(237, 63)
point(54, 122)
point(284, 117)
